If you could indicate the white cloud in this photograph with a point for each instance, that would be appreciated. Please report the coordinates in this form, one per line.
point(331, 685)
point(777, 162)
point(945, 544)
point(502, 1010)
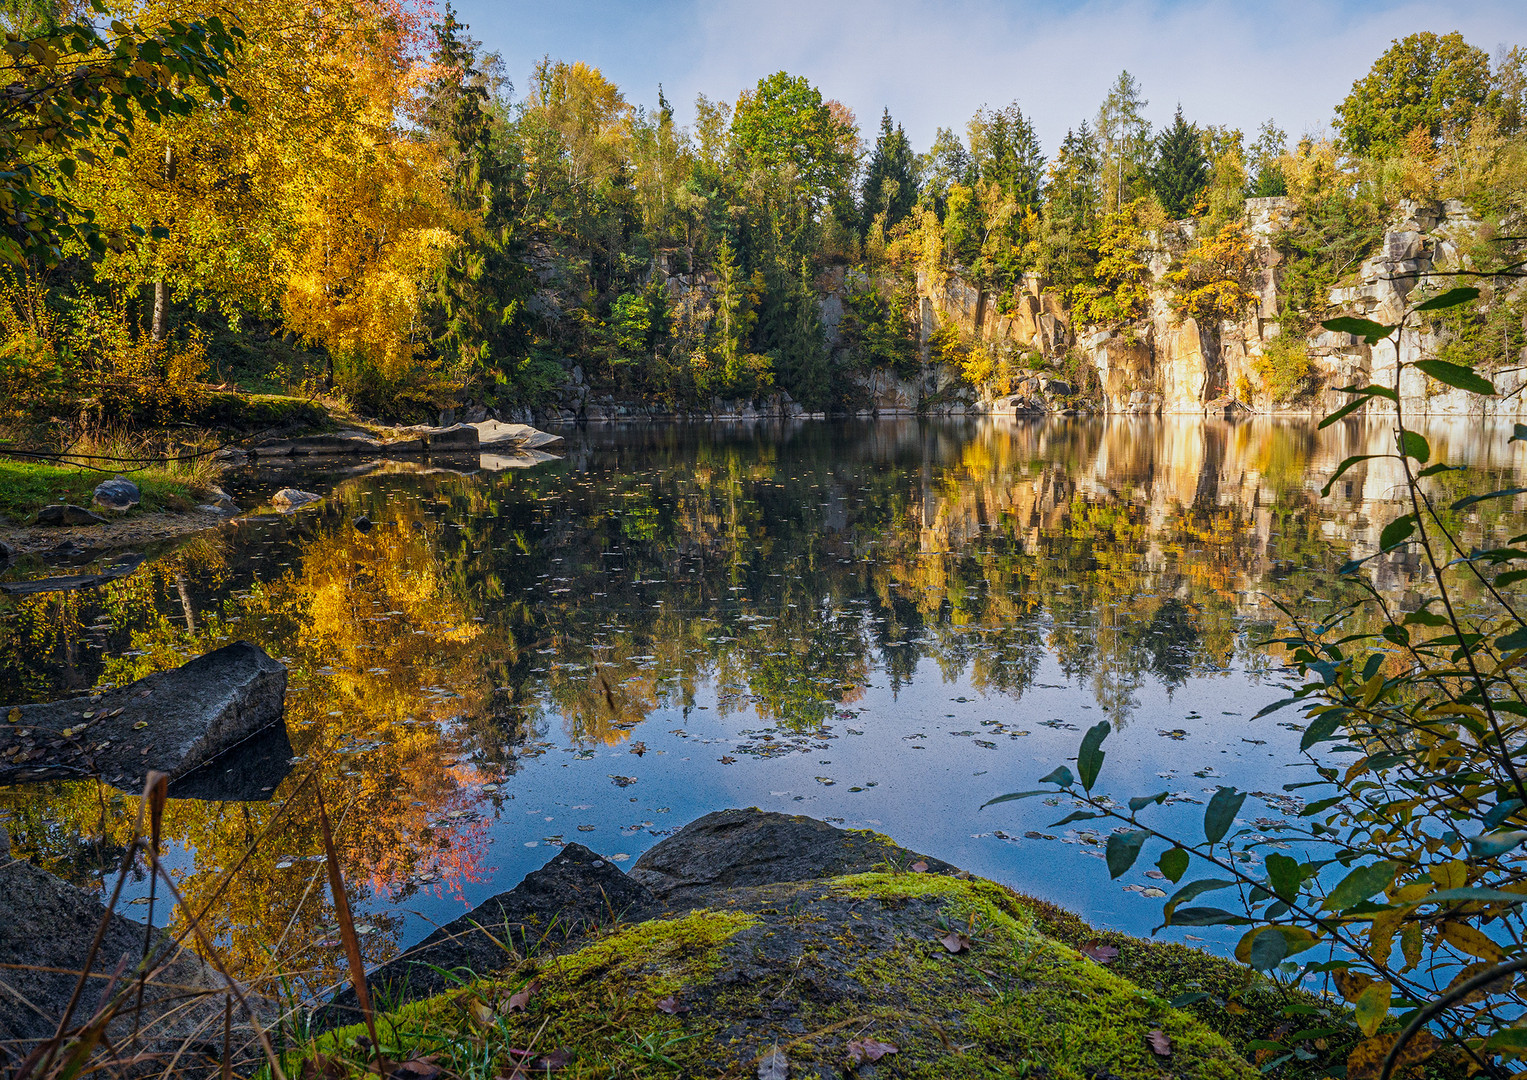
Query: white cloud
point(933, 63)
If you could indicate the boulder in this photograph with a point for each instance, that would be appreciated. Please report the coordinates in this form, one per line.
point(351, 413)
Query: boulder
point(46, 936)
point(495, 433)
point(118, 494)
point(732, 849)
point(67, 514)
point(171, 721)
point(291, 498)
point(362, 524)
point(70, 582)
point(7, 553)
point(574, 893)
point(822, 948)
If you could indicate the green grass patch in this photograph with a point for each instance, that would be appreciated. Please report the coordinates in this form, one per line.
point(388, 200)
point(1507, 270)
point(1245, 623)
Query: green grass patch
point(28, 486)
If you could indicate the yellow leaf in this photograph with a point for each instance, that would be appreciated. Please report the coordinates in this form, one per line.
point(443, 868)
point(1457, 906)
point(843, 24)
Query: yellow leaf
point(1451, 875)
point(1351, 983)
point(1366, 1061)
point(1371, 1006)
point(1466, 939)
point(1381, 933)
point(14, 716)
point(1410, 945)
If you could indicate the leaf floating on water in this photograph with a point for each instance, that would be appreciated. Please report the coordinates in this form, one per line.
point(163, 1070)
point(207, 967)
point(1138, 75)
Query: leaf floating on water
point(140, 725)
point(1100, 951)
point(727, 759)
point(773, 1066)
point(1159, 1042)
point(829, 781)
point(622, 781)
point(955, 942)
point(919, 867)
point(862, 1050)
point(638, 748)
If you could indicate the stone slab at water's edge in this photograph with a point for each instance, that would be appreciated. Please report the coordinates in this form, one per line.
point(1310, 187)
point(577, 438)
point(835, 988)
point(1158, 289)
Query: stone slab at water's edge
point(170, 721)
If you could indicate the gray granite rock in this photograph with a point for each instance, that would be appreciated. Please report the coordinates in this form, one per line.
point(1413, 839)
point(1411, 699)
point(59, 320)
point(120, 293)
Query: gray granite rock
point(118, 494)
point(171, 721)
point(67, 514)
point(291, 498)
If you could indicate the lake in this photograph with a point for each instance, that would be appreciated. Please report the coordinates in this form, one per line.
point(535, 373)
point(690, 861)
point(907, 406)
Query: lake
point(882, 624)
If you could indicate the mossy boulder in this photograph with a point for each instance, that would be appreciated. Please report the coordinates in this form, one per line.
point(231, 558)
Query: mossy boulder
point(869, 944)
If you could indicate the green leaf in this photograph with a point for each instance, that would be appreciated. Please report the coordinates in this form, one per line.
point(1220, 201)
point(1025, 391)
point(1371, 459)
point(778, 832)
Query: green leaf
point(1268, 949)
point(1371, 332)
point(1061, 776)
point(1182, 1001)
point(1470, 500)
point(1346, 410)
point(1274, 707)
point(1219, 815)
point(1090, 758)
point(1360, 883)
point(1451, 298)
point(1123, 849)
point(1422, 617)
point(1191, 890)
point(1345, 465)
point(1517, 639)
point(1490, 845)
point(1173, 863)
point(1206, 916)
point(1371, 1006)
point(1489, 896)
point(1140, 802)
point(1284, 874)
point(1509, 1040)
point(1076, 815)
point(1397, 531)
point(1413, 444)
point(1464, 378)
point(1014, 796)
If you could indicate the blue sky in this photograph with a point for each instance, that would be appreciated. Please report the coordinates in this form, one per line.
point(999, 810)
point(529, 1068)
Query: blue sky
point(934, 63)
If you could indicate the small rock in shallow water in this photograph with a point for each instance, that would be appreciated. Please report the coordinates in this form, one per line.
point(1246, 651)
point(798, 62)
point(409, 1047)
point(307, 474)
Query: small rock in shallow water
point(290, 498)
point(362, 524)
point(117, 494)
point(67, 514)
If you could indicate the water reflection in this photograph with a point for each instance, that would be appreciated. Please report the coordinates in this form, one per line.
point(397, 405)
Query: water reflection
point(789, 593)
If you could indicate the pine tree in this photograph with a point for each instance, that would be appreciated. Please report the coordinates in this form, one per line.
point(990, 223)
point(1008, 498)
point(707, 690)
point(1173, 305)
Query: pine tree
point(1071, 207)
point(1005, 149)
point(482, 289)
point(1181, 170)
point(890, 180)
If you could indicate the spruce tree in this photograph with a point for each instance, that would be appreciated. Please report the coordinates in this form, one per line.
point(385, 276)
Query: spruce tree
point(890, 180)
point(482, 288)
point(1181, 170)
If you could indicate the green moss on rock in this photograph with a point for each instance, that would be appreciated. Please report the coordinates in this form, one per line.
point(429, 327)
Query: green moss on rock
point(810, 966)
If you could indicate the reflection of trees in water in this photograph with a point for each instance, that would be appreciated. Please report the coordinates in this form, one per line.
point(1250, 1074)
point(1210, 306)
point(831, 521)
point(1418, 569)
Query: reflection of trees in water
point(430, 653)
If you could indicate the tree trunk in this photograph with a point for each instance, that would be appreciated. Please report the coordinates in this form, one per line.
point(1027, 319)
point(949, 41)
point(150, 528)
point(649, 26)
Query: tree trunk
point(161, 291)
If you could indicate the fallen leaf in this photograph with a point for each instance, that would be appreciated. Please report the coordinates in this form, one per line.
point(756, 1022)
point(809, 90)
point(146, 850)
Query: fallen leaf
point(140, 725)
point(417, 1069)
point(638, 748)
point(1100, 951)
point(1159, 1042)
point(773, 1066)
point(671, 1006)
point(919, 867)
point(1366, 1061)
point(521, 1001)
point(480, 1012)
point(862, 1050)
point(555, 1060)
point(14, 715)
point(727, 759)
point(955, 942)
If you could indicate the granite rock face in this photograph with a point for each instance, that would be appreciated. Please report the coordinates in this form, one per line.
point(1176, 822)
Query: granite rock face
point(171, 721)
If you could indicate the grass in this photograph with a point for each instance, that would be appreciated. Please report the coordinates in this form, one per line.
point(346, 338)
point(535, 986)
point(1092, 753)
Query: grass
point(27, 486)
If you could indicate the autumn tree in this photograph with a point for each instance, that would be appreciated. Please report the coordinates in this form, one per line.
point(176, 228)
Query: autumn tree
point(1421, 81)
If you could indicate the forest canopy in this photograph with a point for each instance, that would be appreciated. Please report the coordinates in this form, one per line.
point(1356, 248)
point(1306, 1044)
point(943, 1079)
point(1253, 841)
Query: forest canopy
point(171, 222)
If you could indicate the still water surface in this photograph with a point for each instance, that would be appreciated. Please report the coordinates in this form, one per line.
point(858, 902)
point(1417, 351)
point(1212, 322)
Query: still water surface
point(881, 625)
